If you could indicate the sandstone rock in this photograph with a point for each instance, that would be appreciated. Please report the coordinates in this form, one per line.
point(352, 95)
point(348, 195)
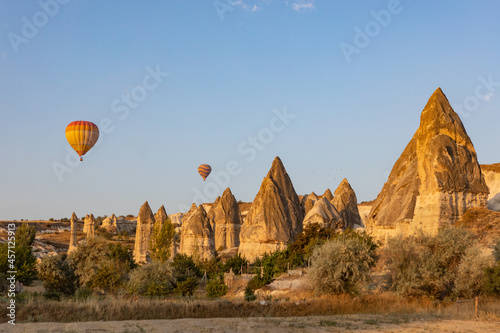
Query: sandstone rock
point(325, 214)
point(309, 202)
point(434, 181)
point(109, 223)
point(275, 217)
point(328, 194)
point(73, 238)
point(225, 216)
point(346, 203)
point(145, 222)
point(491, 174)
point(197, 236)
point(176, 219)
point(123, 224)
point(161, 215)
point(89, 225)
point(364, 209)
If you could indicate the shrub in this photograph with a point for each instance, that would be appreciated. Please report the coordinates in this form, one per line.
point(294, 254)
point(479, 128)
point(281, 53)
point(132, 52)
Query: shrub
point(102, 232)
point(496, 250)
point(213, 267)
point(250, 293)
point(101, 266)
point(216, 287)
point(491, 279)
point(448, 263)
point(187, 287)
point(185, 267)
point(155, 279)
point(342, 265)
point(57, 274)
point(235, 263)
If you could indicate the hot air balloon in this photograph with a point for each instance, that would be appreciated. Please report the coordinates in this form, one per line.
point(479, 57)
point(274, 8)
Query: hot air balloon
point(204, 170)
point(82, 136)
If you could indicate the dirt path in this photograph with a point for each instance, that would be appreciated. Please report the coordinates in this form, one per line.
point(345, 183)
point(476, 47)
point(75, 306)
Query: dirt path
point(351, 323)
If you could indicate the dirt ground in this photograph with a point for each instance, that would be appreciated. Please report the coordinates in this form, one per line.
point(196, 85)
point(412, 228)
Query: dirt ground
point(349, 323)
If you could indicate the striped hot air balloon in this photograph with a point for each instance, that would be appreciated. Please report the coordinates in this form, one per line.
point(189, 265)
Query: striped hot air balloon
point(82, 136)
point(204, 170)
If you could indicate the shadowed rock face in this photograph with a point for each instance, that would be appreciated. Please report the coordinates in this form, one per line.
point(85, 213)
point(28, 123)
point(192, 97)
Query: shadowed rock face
point(145, 222)
point(73, 239)
point(325, 214)
point(434, 181)
point(309, 202)
point(346, 203)
point(225, 216)
point(275, 217)
point(197, 236)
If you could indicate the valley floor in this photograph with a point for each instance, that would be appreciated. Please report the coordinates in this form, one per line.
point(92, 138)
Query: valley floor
point(344, 323)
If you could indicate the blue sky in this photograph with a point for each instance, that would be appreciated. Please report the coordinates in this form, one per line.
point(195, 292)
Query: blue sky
point(335, 88)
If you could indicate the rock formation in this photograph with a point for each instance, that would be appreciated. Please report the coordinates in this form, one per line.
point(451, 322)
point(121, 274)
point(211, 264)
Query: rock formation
point(225, 217)
point(434, 181)
point(110, 223)
point(197, 236)
point(492, 177)
point(275, 217)
point(122, 224)
point(73, 238)
point(325, 214)
point(89, 225)
point(145, 222)
point(309, 202)
point(161, 215)
point(328, 194)
point(346, 203)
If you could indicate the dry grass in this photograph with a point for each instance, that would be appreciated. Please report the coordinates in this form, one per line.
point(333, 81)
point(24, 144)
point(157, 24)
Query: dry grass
point(126, 308)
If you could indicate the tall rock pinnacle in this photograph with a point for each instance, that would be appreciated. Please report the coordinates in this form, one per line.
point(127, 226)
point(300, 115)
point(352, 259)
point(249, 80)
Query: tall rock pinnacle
point(73, 239)
point(275, 217)
point(197, 236)
point(436, 178)
point(145, 222)
point(346, 203)
point(225, 216)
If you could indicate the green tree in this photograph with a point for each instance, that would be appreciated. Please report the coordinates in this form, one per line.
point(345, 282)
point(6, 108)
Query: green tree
point(342, 265)
point(235, 263)
point(185, 267)
point(161, 240)
point(24, 262)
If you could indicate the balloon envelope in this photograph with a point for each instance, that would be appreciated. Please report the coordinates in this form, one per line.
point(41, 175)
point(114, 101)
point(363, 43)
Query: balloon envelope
point(204, 170)
point(82, 136)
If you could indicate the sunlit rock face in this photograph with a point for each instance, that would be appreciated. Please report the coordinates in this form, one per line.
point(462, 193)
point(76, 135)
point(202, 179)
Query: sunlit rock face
point(145, 222)
point(197, 236)
point(225, 217)
point(275, 217)
point(491, 174)
point(434, 181)
point(346, 203)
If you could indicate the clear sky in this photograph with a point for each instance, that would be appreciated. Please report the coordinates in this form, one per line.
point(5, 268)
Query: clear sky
point(335, 88)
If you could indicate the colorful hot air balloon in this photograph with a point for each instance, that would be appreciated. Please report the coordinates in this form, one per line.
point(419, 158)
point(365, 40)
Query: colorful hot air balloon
point(204, 170)
point(82, 136)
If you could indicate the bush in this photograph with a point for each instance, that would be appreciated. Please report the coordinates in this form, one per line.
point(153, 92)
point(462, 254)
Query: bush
point(496, 251)
point(342, 264)
point(187, 287)
point(235, 263)
point(57, 274)
point(102, 232)
point(216, 287)
point(101, 266)
point(185, 267)
point(249, 293)
point(448, 263)
point(213, 267)
point(155, 279)
point(491, 279)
